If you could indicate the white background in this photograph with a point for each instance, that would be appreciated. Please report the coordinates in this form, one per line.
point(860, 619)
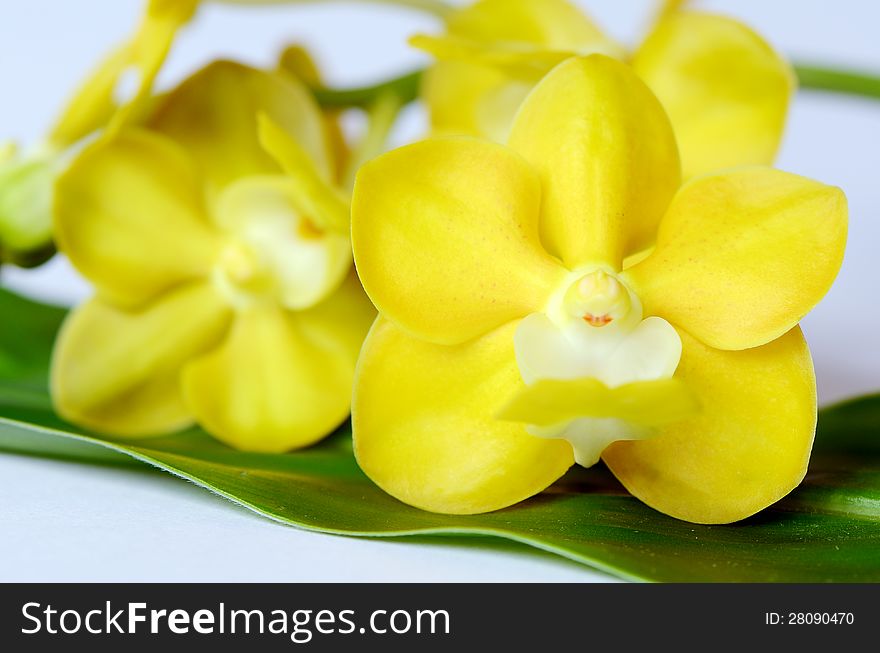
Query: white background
point(64, 521)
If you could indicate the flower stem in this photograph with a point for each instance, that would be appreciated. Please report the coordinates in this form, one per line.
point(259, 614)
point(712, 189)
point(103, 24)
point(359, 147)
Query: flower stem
point(835, 80)
point(435, 7)
point(405, 88)
point(438, 8)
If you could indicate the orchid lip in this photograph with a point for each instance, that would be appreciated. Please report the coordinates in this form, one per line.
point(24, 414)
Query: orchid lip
point(273, 252)
point(593, 329)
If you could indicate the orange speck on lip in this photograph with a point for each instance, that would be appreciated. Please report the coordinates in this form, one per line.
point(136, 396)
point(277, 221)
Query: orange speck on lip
point(307, 230)
point(597, 320)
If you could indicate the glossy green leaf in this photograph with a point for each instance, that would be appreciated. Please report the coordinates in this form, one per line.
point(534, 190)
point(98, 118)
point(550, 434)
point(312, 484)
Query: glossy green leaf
point(827, 530)
point(27, 330)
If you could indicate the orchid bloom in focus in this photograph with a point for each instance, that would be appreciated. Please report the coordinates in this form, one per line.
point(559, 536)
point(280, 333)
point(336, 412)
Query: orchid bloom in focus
point(517, 333)
point(724, 88)
point(218, 244)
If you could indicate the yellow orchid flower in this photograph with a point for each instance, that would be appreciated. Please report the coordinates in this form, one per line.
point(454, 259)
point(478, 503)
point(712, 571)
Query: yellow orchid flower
point(219, 249)
point(724, 88)
point(513, 340)
point(27, 178)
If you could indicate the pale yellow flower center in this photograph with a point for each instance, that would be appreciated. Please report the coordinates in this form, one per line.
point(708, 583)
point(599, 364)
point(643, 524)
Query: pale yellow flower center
point(598, 298)
point(241, 267)
point(273, 252)
point(593, 327)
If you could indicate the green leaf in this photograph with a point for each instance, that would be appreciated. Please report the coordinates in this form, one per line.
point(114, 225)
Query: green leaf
point(27, 330)
point(827, 530)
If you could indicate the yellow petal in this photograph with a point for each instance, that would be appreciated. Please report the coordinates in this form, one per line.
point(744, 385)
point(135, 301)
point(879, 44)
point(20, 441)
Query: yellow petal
point(516, 60)
point(316, 197)
point(96, 102)
point(341, 322)
point(748, 447)
point(742, 256)
point(725, 89)
point(472, 100)
point(445, 238)
point(213, 115)
point(555, 24)
point(129, 213)
point(606, 156)
point(667, 8)
point(297, 61)
point(281, 380)
point(118, 371)
point(646, 403)
point(478, 83)
point(425, 428)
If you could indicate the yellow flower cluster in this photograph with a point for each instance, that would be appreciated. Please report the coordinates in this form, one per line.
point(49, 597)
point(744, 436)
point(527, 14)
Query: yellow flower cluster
point(588, 259)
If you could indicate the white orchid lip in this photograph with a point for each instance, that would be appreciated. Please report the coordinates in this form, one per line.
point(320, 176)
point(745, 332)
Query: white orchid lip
point(274, 253)
point(593, 327)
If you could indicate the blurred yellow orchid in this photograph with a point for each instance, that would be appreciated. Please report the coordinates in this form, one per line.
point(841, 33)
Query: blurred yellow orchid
point(513, 339)
point(725, 90)
point(218, 244)
point(27, 178)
